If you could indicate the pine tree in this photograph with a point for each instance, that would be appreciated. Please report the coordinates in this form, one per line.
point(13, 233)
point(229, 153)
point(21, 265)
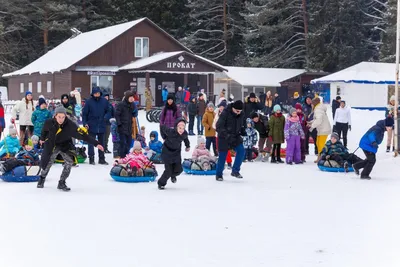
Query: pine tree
point(276, 34)
point(216, 29)
point(388, 33)
point(339, 35)
point(171, 15)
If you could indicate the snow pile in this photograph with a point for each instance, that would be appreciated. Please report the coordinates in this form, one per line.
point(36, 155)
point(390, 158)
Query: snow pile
point(278, 215)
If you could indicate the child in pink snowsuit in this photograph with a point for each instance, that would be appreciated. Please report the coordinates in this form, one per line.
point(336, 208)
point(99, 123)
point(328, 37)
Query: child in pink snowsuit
point(201, 153)
point(136, 159)
point(293, 133)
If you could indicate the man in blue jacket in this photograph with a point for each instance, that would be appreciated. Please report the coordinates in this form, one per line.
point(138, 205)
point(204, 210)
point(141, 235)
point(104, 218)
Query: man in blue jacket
point(94, 116)
point(369, 144)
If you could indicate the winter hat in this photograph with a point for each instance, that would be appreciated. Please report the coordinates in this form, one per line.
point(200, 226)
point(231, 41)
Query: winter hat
point(42, 96)
point(335, 135)
point(249, 121)
point(292, 110)
point(35, 138)
point(210, 105)
point(201, 140)
point(60, 109)
point(128, 94)
point(152, 134)
point(277, 108)
point(338, 98)
point(112, 120)
point(42, 101)
point(170, 96)
point(389, 121)
point(393, 98)
point(12, 130)
point(296, 94)
point(238, 104)
point(137, 145)
point(316, 101)
point(254, 115)
point(298, 106)
point(252, 95)
point(222, 104)
point(28, 93)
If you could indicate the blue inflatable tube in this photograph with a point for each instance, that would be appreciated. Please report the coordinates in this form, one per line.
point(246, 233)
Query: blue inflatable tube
point(10, 178)
point(331, 169)
point(198, 172)
point(136, 179)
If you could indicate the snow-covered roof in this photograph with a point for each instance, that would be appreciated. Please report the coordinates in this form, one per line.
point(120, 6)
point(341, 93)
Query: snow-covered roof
point(264, 77)
point(97, 68)
point(149, 60)
point(74, 49)
point(364, 72)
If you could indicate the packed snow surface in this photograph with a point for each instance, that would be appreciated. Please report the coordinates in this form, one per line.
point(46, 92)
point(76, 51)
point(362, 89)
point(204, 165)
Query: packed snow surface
point(278, 215)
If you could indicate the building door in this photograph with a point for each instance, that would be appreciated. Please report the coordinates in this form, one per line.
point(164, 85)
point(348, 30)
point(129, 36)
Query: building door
point(141, 87)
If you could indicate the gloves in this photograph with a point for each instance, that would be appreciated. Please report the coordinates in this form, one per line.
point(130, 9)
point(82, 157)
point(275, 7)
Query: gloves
point(349, 127)
point(12, 120)
point(375, 144)
point(187, 149)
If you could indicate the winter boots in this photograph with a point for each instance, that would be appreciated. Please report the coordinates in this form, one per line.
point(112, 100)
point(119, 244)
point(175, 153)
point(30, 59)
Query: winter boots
point(237, 175)
point(91, 161)
point(388, 149)
point(41, 182)
point(173, 179)
point(191, 133)
point(103, 162)
point(63, 186)
point(219, 178)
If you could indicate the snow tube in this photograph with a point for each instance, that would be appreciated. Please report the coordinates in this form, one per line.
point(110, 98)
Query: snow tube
point(199, 172)
point(120, 174)
point(134, 179)
point(332, 169)
point(21, 175)
point(187, 168)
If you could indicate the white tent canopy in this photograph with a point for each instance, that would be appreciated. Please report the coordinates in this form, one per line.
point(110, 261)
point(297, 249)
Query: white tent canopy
point(263, 77)
point(364, 72)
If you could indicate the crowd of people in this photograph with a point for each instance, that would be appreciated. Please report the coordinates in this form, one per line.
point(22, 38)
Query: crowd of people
point(249, 130)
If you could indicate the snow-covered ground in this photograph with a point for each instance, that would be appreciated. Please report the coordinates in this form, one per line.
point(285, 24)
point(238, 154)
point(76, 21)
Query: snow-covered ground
point(278, 215)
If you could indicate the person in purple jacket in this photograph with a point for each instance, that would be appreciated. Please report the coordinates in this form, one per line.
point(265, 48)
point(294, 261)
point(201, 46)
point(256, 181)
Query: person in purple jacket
point(170, 113)
point(293, 133)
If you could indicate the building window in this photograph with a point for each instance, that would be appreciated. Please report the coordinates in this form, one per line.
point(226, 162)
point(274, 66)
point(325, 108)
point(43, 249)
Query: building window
point(48, 86)
point(338, 90)
point(141, 47)
point(39, 87)
point(104, 82)
point(21, 87)
point(30, 87)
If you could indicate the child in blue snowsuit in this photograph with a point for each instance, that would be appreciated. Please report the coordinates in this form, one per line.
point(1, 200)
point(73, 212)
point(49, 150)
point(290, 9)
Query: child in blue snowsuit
point(10, 145)
point(115, 137)
point(155, 146)
point(369, 143)
point(250, 139)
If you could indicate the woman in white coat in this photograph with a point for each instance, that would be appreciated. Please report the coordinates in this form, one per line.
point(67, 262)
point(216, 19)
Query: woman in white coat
point(24, 108)
point(321, 123)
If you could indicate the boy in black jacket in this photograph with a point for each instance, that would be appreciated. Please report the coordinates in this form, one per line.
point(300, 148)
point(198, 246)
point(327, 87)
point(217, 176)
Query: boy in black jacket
point(262, 127)
point(57, 134)
point(171, 151)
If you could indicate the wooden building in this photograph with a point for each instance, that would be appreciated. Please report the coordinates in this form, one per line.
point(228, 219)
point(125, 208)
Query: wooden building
point(128, 56)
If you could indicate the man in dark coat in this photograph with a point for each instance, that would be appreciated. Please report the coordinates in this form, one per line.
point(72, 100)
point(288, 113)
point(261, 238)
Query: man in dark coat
point(171, 151)
point(110, 114)
point(252, 105)
point(230, 129)
point(57, 134)
point(277, 101)
point(123, 115)
point(335, 105)
point(94, 116)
